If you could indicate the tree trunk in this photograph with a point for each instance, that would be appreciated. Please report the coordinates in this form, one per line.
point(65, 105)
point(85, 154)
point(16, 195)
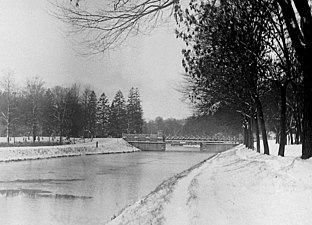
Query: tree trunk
point(8, 126)
point(283, 134)
point(298, 123)
point(297, 130)
point(34, 132)
point(307, 113)
point(251, 137)
point(61, 132)
point(277, 139)
point(301, 37)
point(257, 134)
point(262, 126)
point(291, 136)
point(34, 125)
point(246, 138)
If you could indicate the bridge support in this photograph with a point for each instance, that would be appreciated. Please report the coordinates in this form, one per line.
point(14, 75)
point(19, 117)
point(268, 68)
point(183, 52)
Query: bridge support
point(146, 142)
point(149, 146)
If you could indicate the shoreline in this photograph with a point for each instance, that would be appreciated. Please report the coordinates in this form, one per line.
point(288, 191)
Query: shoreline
point(149, 209)
point(105, 146)
point(238, 186)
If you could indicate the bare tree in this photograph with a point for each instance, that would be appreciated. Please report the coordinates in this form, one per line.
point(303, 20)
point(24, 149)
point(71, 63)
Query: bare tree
point(6, 115)
point(34, 92)
point(60, 109)
point(106, 26)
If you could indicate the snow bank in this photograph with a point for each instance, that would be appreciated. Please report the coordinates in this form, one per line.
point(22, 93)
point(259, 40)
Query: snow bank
point(105, 146)
point(238, 186)
point(290, 150)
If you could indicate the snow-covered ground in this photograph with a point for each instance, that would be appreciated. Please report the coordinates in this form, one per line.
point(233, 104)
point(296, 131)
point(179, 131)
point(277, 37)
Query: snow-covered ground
point(236, 187)
point(105, 146)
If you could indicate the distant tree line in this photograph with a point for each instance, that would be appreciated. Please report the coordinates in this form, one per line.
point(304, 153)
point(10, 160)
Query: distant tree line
point(35, 111)
point(224, 122)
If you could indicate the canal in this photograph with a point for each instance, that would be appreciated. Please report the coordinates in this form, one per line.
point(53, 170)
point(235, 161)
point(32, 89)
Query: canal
point(84, 190)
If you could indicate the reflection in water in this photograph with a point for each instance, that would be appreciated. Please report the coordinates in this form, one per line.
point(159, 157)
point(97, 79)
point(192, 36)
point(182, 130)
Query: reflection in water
point(83, 190)
point(41, 181)
point(34, 193)
point(27, 192)
point(70, 197)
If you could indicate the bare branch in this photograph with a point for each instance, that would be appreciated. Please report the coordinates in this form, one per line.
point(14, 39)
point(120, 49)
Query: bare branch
point(106, 27)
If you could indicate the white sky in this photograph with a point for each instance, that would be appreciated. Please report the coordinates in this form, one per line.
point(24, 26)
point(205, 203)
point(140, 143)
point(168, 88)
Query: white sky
point(33, 43)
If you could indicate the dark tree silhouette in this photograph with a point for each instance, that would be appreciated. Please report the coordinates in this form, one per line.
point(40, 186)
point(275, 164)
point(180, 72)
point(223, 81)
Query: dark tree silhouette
point(118, 115)
point(134, 112)
point(103, 112)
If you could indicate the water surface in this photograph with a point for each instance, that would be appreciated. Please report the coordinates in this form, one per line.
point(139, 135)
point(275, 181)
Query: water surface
point(84, 190)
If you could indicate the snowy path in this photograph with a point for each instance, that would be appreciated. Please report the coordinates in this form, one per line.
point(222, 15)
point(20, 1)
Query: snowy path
point(239, 186)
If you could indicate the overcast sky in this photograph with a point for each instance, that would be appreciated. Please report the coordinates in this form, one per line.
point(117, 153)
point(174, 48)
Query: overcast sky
point(33, 43)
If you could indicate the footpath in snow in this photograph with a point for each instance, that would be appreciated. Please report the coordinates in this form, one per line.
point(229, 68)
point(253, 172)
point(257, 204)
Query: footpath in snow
point(105, 146)
point(236, 187)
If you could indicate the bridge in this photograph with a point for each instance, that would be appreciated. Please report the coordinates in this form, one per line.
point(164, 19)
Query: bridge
point(157, 142)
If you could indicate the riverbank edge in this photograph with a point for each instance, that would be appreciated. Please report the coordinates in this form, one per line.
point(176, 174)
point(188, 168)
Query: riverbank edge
point(237, 186)
point(142, 209)
point(112, 146)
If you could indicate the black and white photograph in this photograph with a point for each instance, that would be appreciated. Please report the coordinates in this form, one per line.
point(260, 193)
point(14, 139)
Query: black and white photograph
point(156, 112)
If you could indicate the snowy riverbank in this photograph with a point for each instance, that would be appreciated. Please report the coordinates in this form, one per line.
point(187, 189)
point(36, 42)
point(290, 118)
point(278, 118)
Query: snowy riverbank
point(105, 146)
point(236, 187)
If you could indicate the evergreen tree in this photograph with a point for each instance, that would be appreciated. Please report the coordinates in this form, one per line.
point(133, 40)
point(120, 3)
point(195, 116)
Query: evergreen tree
point(134, 112)
point(118, 115)
point(102, 115)
point(92, 106)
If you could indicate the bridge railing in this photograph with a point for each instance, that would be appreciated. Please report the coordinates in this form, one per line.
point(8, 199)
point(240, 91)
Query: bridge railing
point(216, 138)
point(143, 137)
